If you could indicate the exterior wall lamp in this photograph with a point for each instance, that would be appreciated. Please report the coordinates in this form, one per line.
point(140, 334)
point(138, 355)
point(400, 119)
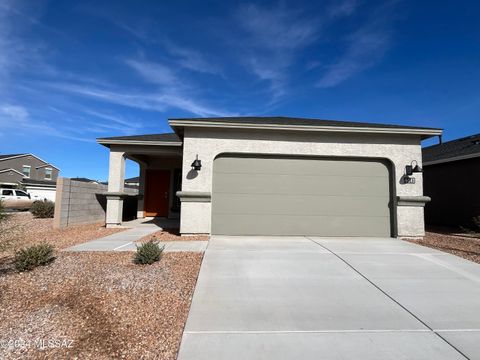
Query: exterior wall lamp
point(410, 170)
point(197, 164)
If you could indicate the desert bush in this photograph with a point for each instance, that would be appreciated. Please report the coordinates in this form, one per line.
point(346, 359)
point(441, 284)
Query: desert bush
point(29, 258)
point(476, 223)
point(3, 215)
point(43, 209)
point(148, 253)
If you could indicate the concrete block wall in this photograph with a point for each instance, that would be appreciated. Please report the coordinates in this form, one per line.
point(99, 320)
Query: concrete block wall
point(79, 202)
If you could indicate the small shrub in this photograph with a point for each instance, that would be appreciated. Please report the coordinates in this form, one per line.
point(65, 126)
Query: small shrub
point(3, 215)
point(148, 253)
point(43, 209)
point(29, 258)
point(476, 223)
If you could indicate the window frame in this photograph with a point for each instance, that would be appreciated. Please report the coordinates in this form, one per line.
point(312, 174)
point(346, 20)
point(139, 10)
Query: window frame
point(29, 171)
point(50, 171)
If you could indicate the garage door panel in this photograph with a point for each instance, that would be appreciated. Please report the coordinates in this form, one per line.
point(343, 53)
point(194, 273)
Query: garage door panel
point(263, 195)
point(257, 204)
point(300, 184)
point(272, 166)
point(305, 225)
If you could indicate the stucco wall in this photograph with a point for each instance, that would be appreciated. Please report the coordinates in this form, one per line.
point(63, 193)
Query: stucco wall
point(208, 143)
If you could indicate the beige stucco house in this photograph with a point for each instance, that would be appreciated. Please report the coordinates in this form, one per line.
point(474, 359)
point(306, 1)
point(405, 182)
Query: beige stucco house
point(276, 176)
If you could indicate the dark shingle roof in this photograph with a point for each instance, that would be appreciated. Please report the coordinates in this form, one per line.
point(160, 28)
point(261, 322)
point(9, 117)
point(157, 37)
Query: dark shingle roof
point(135, 179)
point(38, 182)
point(4, 156)
point(464, 147)
point(281, 120)
point(166, 137)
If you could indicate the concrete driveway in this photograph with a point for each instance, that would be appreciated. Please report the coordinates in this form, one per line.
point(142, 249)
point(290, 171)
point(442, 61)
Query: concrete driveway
point(316, 298)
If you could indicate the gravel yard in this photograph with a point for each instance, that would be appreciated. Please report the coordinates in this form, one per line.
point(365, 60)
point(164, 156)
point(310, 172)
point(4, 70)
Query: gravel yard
point(172, 235)
point(97, 306)
point(466, 247)
point(21, 229)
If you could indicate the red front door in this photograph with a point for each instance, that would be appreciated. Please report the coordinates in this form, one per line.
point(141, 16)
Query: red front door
point(157, 190)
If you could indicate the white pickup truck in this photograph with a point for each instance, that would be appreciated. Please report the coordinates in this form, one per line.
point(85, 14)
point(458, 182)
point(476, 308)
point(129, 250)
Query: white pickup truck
point(16, 199)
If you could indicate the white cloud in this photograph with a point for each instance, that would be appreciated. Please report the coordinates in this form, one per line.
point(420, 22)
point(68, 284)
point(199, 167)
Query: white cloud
point(365, 48)
point(274, 37)
point(192, 60)
point(17, 117)
point(342, 8)
point(154, 72)
point(145, 101)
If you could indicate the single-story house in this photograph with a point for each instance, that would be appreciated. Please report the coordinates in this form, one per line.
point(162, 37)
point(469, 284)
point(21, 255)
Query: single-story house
point(452, 180)
point(276, 176)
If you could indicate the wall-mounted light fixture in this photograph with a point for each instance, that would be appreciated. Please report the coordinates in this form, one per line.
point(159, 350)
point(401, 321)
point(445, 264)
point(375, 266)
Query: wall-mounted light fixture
point(410, 170)
point(197, 164)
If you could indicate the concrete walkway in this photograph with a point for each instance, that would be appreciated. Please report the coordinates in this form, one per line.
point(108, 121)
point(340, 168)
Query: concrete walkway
point(316, 298)
point(125, 241)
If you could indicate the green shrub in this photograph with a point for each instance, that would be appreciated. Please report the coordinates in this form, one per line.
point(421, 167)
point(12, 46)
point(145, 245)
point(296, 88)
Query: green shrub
point(29, 258)
point(43, 209)
point(148, 253)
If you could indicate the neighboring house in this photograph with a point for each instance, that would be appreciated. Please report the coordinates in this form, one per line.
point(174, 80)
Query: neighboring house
point(275, 176)
point(452, 180)
point(134, 181)
point(37, 176)
point(87, 180)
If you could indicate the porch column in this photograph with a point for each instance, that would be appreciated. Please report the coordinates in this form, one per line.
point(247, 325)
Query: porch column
point(141, 192)
point(116, 181)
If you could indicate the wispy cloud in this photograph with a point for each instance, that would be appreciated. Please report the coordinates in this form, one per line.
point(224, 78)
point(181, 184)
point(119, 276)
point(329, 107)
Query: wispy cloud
point(154, 72)
point(140, 100)
point(365, 48)
point(17, 117)
point(191, 59)
point(342, 8)
point(274, 35)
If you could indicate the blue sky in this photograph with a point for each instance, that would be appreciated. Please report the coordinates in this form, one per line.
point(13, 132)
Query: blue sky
point(73, 71)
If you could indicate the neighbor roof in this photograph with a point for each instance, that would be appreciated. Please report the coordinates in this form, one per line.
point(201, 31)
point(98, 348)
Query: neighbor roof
point(6, 156)
point(170, 139)
point(289, 123)
point(459, 149)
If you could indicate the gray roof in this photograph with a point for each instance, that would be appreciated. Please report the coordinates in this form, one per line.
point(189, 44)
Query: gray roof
point(135, 179)
point(38, 182)
point(4, 156)
point(165, 137)
point(281, 120)
point(458, 149)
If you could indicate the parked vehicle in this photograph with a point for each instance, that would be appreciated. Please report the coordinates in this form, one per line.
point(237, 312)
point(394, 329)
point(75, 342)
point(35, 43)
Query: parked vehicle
point(16, 199)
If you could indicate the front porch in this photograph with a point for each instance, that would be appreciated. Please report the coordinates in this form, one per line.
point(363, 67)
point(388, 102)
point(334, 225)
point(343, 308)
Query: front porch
point(160, 163)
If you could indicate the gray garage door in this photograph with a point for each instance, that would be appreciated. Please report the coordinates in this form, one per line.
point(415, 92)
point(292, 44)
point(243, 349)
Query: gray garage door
point(300, 196)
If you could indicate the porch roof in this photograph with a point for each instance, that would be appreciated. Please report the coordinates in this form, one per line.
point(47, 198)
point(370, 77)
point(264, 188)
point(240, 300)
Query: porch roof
point(165, 139)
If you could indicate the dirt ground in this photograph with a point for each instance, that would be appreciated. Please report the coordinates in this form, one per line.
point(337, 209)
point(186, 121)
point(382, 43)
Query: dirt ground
point(22, 229)
point(467, 247)
point(97, 306)
point(172, 235)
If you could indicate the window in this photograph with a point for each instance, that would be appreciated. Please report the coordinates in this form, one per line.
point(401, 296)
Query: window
point(26, 171)
point(7, 192)
point(21, 193)
point(48, 174)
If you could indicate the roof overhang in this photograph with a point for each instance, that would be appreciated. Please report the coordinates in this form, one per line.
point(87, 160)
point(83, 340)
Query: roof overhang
point(29, 154)
point(108, 142)
point(10, 169)
point(424, 133)
point(451, 159)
